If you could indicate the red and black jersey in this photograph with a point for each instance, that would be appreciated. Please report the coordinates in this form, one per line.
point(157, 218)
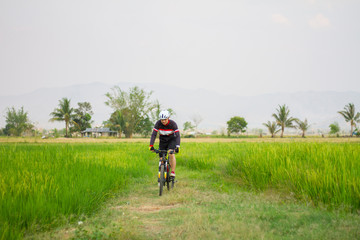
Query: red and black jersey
point(167, 132)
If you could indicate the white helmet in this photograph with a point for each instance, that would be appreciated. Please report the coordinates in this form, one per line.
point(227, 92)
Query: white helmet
point(164, 114)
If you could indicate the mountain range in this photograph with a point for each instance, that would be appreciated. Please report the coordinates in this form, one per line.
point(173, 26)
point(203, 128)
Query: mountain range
point(215, 109)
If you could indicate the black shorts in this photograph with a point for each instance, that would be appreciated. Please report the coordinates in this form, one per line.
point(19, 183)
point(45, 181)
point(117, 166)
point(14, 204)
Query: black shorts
point(166, 145)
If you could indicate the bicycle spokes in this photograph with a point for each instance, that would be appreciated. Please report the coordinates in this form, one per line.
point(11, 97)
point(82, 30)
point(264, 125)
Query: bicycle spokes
point(164, 176)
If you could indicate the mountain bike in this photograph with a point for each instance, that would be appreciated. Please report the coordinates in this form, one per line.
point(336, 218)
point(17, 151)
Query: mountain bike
point(164, 170)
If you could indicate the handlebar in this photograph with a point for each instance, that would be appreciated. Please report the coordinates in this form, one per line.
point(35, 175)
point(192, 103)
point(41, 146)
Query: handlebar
point(164, 151)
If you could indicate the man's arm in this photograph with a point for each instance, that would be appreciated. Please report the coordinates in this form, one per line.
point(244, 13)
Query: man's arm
point(177, 135)
point(153, 137)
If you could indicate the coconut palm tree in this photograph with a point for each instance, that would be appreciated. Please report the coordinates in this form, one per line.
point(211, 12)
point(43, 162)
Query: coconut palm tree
point(272, 127)
point(116, 122)
point(303, 126)
point(349, 114)
point(283, 119)
point(63, 113)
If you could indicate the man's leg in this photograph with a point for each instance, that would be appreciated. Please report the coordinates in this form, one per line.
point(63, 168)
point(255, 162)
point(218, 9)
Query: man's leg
point(172, 161)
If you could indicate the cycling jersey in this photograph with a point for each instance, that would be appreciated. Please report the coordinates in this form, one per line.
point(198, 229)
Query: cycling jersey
point(167, 132)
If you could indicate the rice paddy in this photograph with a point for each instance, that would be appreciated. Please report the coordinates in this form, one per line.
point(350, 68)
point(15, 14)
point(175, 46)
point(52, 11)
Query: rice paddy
point(43, 185)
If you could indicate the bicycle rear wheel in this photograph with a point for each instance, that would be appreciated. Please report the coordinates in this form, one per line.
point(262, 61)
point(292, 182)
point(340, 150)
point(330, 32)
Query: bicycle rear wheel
point(162, 180)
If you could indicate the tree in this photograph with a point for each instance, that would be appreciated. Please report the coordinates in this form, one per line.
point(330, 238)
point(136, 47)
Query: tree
point(356, 132)
point(56, 133)
point(334, 128)
point(63, 113)
point(188, 126)
point(197, 119)
point(236, 125)
point(82, 117)
point(17, 122)
point(145, 127)
point(134, 106)
point(272, 128)
point(283, 119)
point(349, 114)
point(116, 122)
point(303, 126)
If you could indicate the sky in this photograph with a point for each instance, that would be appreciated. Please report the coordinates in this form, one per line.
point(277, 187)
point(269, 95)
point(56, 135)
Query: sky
point(242, 47)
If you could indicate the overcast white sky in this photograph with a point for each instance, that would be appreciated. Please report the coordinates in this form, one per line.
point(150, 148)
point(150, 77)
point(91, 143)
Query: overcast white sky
point(230, 46)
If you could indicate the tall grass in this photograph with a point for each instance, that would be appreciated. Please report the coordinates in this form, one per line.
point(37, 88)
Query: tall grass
point(323, 173)
point(43, 185)
point(40, 184)
point(206, 156)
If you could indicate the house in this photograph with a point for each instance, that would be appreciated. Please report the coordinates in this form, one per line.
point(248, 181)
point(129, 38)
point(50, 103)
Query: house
point(98, 132)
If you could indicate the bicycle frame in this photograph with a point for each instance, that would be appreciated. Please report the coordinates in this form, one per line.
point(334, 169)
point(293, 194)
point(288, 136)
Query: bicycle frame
point(164, 168)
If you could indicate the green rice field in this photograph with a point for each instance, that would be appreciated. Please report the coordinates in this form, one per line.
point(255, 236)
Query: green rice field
point(44, 185)
point(41, 184)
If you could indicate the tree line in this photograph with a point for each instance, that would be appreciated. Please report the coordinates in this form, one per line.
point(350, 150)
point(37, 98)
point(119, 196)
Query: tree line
point(283, 120)
point(134, 113)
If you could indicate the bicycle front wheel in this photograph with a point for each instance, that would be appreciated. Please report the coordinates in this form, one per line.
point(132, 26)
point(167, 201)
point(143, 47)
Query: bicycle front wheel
point(172, 183)
point(168, 179)
point(162, 180)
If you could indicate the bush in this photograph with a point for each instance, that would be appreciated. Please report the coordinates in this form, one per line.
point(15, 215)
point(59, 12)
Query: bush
point(189, 136)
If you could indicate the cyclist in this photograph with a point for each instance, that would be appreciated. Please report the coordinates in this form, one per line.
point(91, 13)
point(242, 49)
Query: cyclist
point(169, 137)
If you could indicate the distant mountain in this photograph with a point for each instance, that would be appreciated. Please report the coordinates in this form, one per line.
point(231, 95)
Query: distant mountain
point(320, 108)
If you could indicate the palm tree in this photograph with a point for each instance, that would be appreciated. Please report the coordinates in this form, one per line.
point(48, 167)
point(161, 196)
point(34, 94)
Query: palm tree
point(63, 113)
point(272, 127)
point(116, 122)
point(303, 126)
point(350, 116)
point(282, 118)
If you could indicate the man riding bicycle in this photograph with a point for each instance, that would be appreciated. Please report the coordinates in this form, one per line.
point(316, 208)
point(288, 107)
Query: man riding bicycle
point(169, 137)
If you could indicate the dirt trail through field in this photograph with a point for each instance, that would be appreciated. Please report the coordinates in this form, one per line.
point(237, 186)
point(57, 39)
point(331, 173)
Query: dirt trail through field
point(145, 215)
point(141, 214)
point(203, 207)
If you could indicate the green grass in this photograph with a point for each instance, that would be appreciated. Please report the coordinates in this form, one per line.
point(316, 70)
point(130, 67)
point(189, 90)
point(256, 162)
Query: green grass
point(41, 184)
point(321, 173)
point(47, 185)
point(196, 209)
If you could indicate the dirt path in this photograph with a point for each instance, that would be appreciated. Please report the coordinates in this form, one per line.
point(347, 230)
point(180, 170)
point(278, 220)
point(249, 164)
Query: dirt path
point(140, 214)
point(202, 206)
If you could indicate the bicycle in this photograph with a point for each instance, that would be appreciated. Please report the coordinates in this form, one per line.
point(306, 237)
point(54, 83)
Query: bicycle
point(164, 170)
